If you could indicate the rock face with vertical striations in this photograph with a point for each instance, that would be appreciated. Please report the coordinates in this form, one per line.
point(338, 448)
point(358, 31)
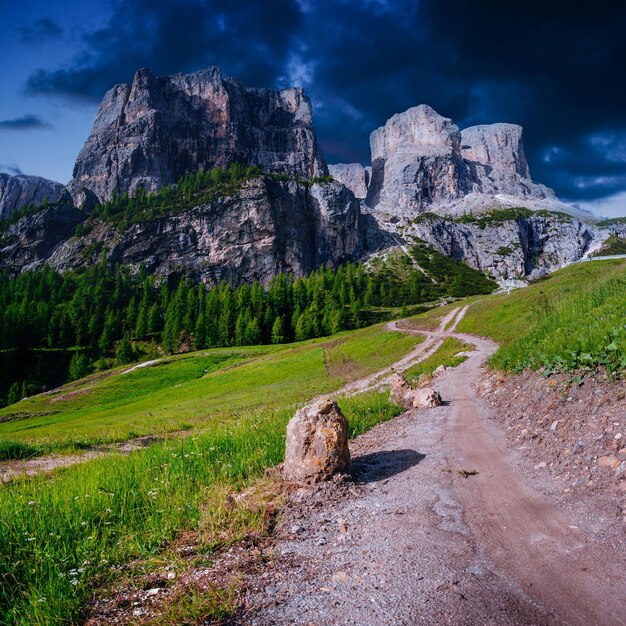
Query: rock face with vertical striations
point(17, 191)
point(416, 162)
point(509, 247)
point(156, 130)
point(263, 228)
point(354, 176)
point(422, 162)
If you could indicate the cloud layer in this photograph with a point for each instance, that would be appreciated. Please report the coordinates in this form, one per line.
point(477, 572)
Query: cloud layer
point(25, 122)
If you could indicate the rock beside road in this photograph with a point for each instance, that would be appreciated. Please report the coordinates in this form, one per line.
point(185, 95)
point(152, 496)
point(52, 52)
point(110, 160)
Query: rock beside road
point(402, 393)
point(317, 443)
point(426, 398)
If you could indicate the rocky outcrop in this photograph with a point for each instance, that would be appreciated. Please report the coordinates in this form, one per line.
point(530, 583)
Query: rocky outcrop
point(510, 248)
point(403, 394)
point(422, 162)
point(499, 149)
point(317, 443)
point(400, 391)
point(267, 227)
point(354, 176)
point(416, 162)
point(27, 243)
point(17, 191)
point(426, 398)
point(156, 130)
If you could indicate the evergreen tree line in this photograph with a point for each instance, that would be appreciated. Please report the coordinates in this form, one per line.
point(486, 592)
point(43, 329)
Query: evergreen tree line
point(108, 311)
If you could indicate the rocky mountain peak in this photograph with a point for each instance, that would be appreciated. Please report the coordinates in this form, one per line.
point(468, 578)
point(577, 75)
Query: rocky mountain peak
point(420, 131)
point(421, 161)
point(501, 146)
point(152, 132)
point(16, 191)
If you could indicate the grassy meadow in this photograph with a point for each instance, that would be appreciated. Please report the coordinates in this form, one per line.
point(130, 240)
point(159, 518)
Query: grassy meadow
point(574, 319)
point(61, 537)
point(194, 391)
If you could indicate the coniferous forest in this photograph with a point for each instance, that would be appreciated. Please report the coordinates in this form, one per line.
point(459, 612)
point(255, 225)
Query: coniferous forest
point(104, 315)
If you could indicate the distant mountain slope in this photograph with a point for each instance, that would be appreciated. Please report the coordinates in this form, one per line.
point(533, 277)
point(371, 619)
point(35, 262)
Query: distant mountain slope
point(17, 191)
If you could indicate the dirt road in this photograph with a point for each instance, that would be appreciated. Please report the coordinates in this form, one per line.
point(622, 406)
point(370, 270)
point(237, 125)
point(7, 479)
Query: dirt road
point(438, 528)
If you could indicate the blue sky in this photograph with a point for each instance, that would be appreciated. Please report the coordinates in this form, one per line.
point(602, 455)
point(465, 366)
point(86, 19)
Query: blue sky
point(553, 67)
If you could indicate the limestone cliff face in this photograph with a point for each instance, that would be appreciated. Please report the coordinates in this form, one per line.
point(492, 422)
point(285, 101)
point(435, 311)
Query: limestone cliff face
point(526, 247)
point(33, 239)
point(416, 162)
point(422, 162)
point(354, 176)
point(267, 227)
point(17, 191)
point(154, 131)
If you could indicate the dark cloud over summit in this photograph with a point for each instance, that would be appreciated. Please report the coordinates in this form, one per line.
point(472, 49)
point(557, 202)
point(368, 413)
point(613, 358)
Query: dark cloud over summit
point(554, 67)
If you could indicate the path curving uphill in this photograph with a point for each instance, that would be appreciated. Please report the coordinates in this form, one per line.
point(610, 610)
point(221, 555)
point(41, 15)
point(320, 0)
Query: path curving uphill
point(438, 527)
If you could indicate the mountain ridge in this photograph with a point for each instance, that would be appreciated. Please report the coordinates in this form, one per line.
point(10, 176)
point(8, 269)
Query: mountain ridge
point(154, 132)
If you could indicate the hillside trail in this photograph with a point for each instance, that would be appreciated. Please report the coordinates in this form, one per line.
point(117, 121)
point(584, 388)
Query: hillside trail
point(438, 526)
point(48, 463)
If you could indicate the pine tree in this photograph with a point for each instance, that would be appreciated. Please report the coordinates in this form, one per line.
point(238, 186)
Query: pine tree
point(14, 393)
point(252, 336)
point(79, 367)
point(171, 332)
point(278, 330)
point(199, 335)
point(155, 321)
point(125, 353)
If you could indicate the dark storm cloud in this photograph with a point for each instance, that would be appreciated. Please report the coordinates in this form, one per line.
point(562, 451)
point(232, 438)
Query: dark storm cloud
point(249, 40)
point(40, 30)
point(26, 122)
point(566, 58)
point(554, 67)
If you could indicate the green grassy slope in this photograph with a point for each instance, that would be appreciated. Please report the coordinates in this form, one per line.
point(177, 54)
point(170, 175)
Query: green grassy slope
point(61, 536)
point(574, 319)
point(197, 390)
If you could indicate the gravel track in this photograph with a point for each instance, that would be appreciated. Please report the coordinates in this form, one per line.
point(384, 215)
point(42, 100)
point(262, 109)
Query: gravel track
point(437, 525)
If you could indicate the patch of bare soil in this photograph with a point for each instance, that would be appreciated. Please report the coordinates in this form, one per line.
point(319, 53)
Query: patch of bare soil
point(192, 582)
point(570, 429)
